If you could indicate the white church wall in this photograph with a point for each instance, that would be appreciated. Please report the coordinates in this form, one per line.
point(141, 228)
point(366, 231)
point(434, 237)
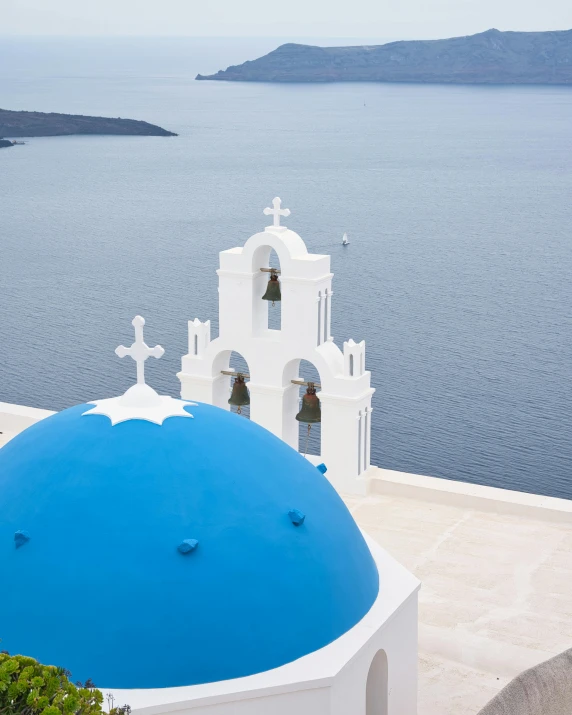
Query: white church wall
point(397, 640)
point(315, 701)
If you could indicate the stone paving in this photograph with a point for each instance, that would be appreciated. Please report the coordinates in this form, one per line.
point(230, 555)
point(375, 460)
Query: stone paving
point(496, 595)
point(5, 436)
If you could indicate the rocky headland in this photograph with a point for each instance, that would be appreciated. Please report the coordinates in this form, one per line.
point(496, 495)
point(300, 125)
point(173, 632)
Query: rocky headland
point(39, 124)
point(491, 57)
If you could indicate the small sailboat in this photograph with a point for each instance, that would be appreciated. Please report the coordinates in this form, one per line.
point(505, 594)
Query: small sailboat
point(345, 240)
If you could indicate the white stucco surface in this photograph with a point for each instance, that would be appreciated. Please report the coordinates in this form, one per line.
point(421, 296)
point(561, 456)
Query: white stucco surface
point(497, 586)
point(273, 356)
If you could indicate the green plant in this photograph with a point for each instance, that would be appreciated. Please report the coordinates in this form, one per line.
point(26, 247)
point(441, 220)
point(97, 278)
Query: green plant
point(30, 688)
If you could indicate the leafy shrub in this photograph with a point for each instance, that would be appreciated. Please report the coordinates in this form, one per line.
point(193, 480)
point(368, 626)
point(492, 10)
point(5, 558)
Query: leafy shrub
point(30, 688)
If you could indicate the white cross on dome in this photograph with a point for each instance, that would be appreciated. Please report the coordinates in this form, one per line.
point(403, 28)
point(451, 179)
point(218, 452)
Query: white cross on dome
point(139, 350)
point(140, 402)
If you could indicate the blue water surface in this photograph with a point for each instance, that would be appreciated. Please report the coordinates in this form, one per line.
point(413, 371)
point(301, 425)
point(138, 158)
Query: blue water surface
point(457, 201)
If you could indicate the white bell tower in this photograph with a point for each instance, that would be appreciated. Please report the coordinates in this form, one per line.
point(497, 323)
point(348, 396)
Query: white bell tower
point(273, 356)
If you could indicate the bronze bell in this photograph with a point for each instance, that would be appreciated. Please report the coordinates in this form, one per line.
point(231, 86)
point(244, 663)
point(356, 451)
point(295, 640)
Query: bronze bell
point(239, 396)
point(273, 289)
point(310, 412)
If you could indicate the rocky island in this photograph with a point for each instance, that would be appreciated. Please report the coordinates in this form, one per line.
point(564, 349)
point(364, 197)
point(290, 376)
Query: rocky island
point(39, 124)
point(491, 57)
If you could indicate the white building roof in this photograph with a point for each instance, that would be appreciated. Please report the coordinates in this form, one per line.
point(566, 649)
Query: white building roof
point(495, 596)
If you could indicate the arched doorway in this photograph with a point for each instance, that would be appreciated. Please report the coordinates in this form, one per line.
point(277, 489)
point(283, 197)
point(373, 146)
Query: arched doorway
point(312, 443)
point(228, 361)
point(377, 686)
point(306, 443)
point(237, 363)
point(274, 311)
point(266, 316)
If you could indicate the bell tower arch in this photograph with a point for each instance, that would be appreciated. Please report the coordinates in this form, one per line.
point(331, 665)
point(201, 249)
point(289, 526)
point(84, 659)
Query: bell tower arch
point(273, 355)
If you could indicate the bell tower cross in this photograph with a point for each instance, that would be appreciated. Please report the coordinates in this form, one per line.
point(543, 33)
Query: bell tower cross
point(276, 212)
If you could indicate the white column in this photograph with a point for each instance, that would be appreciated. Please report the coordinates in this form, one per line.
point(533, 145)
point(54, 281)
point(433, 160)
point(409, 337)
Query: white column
point(300, 311)
point(368, 411)
point(324, 315)
point(363, 446)
point(272, 407)
point(330, 294)
point(238, 312)
point(319, 337)
point(343, 440)
point(359, 441)
point(327, 314)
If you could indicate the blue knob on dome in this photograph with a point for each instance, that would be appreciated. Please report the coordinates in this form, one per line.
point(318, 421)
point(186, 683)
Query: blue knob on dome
point(296, 517)
point(322, 468)
point(21, 538)
point(187, 546)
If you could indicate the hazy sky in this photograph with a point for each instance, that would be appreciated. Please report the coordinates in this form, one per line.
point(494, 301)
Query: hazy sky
point(316, 18)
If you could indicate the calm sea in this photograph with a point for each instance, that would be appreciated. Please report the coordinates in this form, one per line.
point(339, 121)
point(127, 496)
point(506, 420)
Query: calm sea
point(458, 202)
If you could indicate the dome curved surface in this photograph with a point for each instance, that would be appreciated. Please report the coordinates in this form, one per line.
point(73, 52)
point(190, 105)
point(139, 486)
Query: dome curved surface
point(100, 587)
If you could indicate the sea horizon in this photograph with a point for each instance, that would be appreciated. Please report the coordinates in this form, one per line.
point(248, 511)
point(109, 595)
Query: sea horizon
point(456, 199)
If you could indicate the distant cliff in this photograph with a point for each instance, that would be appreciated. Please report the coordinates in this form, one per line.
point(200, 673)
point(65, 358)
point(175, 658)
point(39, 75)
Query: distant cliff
point(490, 57)
point(38, 124)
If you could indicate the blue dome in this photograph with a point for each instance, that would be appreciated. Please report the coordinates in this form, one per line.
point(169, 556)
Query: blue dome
point(101, 588)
